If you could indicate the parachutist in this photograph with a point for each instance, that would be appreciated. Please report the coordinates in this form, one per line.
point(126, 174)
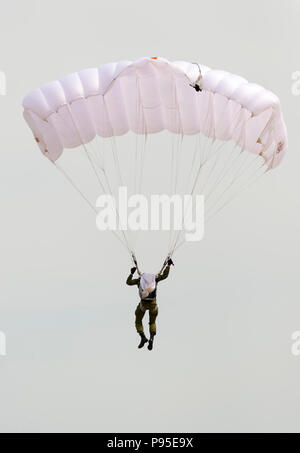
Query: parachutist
point(147, 284)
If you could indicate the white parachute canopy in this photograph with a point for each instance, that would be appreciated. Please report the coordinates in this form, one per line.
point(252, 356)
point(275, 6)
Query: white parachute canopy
point(152, 122)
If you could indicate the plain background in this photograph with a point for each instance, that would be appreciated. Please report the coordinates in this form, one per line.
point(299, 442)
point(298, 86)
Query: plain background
point(222, 360)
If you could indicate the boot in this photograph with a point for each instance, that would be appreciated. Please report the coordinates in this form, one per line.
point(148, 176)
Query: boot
point(150, 345)
point(144, 340)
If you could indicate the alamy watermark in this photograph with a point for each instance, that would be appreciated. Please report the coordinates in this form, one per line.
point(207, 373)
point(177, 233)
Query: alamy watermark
point(295, 348)
point(2, 344)
point(2, 83)
point(161, 212)
point(295, 88)
point(2, 93)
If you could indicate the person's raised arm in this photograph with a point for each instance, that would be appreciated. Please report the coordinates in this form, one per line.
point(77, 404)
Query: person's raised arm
point(130, 280)
point(165, 273)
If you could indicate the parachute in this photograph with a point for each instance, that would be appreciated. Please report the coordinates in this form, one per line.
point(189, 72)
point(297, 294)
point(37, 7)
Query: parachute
point(159, 126)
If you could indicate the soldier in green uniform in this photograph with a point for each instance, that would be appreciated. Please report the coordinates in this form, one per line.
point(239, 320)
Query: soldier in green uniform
point(147, 284)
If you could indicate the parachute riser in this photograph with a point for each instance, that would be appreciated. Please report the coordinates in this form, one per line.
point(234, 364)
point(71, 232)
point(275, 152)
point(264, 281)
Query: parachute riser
point(135, 263)
point(158, 273)
point(165, 264)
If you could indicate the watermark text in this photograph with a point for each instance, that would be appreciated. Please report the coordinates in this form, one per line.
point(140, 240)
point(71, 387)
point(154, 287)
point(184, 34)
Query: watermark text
point(161, 212)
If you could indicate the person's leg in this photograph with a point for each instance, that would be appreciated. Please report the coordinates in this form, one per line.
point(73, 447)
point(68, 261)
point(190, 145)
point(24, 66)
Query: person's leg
point(153, 312)
point(139, 314)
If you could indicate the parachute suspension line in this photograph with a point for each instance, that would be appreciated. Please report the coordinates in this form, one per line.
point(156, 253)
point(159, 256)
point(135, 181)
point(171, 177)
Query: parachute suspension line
point(202, 154)
point(172, 238)
point(143, 153)
point(180, 135)
point(113, 146)
point(94, 169)
point(214, 155)
point(101, 168)
point(70, 180)
point(177, 165)
point(178, 156)
point(204, 158)
point(208, 155)
point(109, 188)
point(135, 263)
point(116, 160)
point(176, 151)
point(213, 171)
point(85, 148)
point(197, 167)
point(172, 174)
point(196, 148)
point(236, 177)
point(227, 170)
point(117, 169)
point(95, 156)
point(177, 235)
point(143, 132)
point(209, 217)
point(184, 188)
point(207, 152)
point(217, 156)
point(99, 152)
point(140, 149)
point(110, 192)
point(223, 172)
point(202, 163)
point(175, 139)
point(253, 179)
point(206, 129)
point(137, 136)
point(228, 165)
point(254, 176)
point(175, 161)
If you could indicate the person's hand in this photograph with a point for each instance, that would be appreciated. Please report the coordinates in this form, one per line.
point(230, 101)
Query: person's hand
point(132, 270)
point(170, 262)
